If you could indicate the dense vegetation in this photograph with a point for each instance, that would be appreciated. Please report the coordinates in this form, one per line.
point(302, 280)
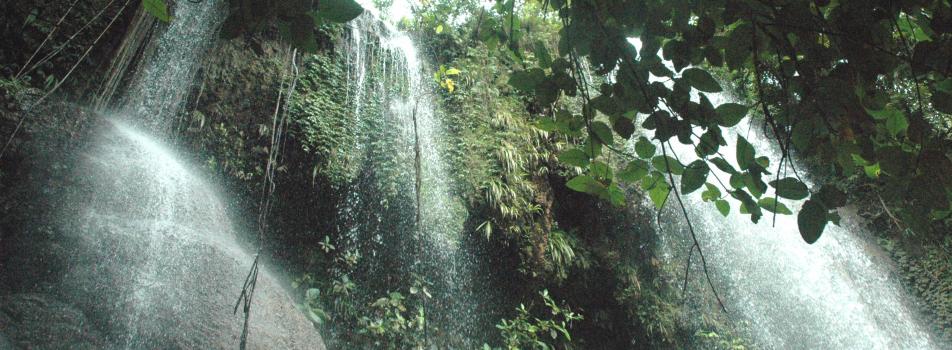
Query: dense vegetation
point(550, 105)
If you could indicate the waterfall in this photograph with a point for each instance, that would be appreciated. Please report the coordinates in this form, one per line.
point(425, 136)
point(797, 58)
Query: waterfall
point(388, 77)
point(157, 255)
point(158, 89)
point(835, 294)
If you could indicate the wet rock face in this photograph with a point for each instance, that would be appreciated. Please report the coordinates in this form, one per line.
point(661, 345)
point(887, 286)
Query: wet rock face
point(40, 321)
point(134, 251)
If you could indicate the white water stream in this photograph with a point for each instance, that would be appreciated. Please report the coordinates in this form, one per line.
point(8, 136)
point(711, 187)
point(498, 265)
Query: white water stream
point(159, 254)
point(838, 293)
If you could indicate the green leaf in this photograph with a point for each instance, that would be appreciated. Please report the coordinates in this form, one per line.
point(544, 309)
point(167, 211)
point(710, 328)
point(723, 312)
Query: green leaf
point(574, 157)
point(872, 171)
point(772, 205)
point(624, 127)
point(158, 9)
point(585, 184)
point(635, 171)
point(615, 195)
point(723, 206)
point(748, 205)
point(724, 165)
point(790, 188)
point(694, 176)
point(710, 142)
point(756, 186)
point(591, 147)
point(527, 80)
point(897, 123)
point(711, 194)
point(701, 80)
point(603, 132)
point(601, 171)
point(883, 114)
point(644, 148)
point(453, 71)
point(662, 163)
point(439, 29)
point(745, 153)
point(811, 221)
point(729, 114)
point(659, 194)
point(340, 11)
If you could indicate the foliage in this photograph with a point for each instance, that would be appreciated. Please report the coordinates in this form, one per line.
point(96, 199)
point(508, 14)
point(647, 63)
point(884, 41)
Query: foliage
point(393, 321)
point(320, 111)
point(564, 252)
point(445, 77)
point(712, 340)
point(527, 332)
point(826, 77)
point(296, 20)
point(393, 325)
point(503, 144)
point(928, 274)
point(157, 8)
point(648, 302)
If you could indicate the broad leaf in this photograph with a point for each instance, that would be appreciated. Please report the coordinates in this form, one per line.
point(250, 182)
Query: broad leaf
point(695, 175)
point(603, 132)
point(790, 188)
point(659, 194)
point(723, 206)
point(712, 193)
point(724, 165)
point(158, 9)
point(729, 114)
point(601, 171)
point(645, 148)
point(701, 80)
point(748, 205)
point(897, 124)
point(745, 153)
point(664, 163)
point(339, 11)
point(811, 221)
point(574, 157)
point(772, 205)
point(585, 184)
point(615, 195)
point(635, 171)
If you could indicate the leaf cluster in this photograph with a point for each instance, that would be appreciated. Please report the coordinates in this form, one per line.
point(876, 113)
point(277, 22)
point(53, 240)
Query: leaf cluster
point(295, 19)
point(862, 85)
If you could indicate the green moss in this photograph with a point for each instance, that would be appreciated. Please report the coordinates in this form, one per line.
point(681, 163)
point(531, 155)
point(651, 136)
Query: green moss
point(322, 117)
point(927, 271)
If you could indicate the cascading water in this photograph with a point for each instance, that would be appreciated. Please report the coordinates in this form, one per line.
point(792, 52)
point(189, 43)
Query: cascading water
point(157, 256)
point(387, 76)
point(159, 88)
point(834, 294)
